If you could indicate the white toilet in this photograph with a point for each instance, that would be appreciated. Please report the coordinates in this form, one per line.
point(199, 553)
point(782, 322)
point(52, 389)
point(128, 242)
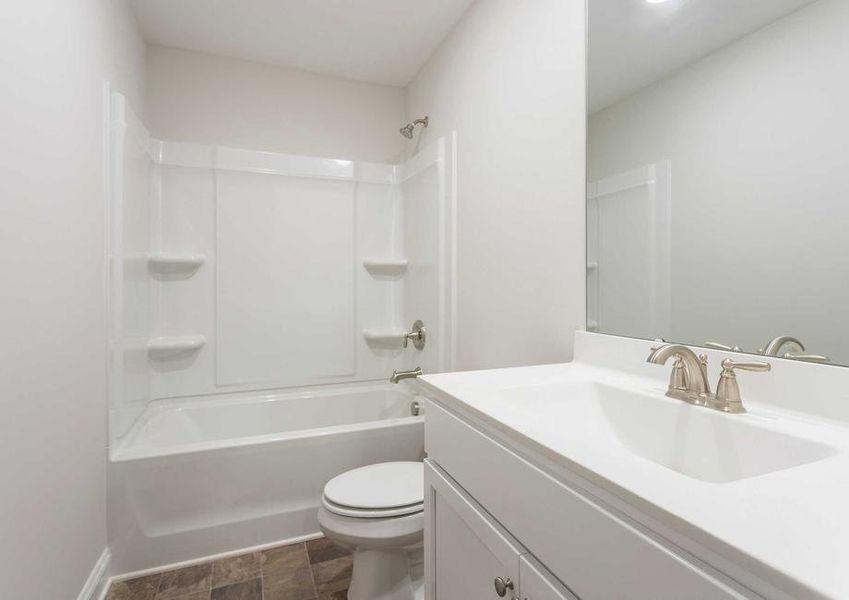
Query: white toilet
point(377, 512)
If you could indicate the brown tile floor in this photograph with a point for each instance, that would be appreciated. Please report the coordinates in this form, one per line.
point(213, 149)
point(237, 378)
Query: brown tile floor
point(315, 570)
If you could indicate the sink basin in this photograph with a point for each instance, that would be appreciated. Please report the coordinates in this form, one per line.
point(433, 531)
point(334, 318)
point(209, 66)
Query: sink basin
point(696, 442)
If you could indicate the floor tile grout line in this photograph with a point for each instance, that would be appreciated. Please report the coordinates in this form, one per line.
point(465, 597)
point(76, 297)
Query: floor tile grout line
point(312, 574)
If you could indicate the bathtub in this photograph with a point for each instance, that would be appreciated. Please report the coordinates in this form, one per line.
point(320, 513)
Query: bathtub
point(199, 477)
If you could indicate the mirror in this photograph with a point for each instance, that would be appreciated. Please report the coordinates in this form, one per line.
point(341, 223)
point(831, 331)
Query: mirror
point(718, 174)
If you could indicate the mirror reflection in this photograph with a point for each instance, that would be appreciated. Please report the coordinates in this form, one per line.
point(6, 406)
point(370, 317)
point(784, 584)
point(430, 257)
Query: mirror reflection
point(718, 174)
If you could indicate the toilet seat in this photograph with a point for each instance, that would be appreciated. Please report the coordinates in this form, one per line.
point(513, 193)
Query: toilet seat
point(371, 513)
point(377, 491)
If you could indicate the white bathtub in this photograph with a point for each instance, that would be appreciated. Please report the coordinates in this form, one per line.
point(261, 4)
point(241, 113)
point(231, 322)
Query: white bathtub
point(204, 476)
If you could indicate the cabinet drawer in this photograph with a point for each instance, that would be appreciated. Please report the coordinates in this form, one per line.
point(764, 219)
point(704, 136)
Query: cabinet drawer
point(596, 553)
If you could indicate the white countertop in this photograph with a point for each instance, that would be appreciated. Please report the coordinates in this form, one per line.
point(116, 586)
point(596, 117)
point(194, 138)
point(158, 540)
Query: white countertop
point(789, 528)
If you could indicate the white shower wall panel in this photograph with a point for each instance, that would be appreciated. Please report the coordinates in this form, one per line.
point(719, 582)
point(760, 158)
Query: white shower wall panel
point(133, 178)
point(280, 249)
point(285, 309)
point(185, 301)
point(428, 211)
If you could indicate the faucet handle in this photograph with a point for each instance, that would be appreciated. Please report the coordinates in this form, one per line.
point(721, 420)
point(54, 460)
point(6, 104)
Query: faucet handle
point(718, 346)
point(727, 397)
point(758, 366)
point(418, 335)
point(818, 358)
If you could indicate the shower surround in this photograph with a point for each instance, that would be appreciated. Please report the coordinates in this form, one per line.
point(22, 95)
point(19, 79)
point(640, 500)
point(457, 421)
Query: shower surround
point(255, 300)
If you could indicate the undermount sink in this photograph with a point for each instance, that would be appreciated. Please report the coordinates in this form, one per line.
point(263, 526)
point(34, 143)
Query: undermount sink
point(694, 441)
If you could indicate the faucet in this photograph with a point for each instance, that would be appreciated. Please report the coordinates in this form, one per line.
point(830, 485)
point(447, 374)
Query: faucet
point(398, 376)
point(775, 345)
point(689, 379)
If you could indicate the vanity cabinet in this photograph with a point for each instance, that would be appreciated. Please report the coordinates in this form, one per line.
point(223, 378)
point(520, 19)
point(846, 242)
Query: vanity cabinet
point(492, 513)
point(471, 556)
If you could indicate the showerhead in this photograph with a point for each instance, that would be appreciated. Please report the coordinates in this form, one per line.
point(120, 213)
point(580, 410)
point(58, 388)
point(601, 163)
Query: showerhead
point(407, 130)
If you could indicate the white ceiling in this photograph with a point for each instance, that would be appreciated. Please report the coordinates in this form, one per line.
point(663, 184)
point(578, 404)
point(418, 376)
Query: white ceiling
point(634, 43)
point(379, 41)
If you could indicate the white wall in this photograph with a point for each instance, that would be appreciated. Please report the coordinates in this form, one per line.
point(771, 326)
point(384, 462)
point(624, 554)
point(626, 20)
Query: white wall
point(54, 56)
point(510, 80)
point(201, 98)
point(756, 134)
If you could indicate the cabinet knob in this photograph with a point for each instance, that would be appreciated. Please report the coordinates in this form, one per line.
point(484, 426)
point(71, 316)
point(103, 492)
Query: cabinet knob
point(502, 585)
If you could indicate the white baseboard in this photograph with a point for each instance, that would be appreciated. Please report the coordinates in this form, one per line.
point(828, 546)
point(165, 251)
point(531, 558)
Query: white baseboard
point(97, 584)
point(213, 557)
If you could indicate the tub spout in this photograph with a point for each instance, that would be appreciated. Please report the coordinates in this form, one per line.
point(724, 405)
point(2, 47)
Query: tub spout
point(400, 375)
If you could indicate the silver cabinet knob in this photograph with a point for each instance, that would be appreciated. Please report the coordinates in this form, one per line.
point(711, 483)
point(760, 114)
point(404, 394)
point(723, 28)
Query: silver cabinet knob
point(502, 585)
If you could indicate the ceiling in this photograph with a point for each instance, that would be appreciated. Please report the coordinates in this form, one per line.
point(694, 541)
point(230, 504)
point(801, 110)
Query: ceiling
point(634, 43)
point(378, 41)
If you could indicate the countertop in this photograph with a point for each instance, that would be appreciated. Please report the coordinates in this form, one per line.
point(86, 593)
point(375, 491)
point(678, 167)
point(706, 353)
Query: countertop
point(788, 529)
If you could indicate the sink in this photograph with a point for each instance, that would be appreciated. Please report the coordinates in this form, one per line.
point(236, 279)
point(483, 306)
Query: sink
point(696, 442)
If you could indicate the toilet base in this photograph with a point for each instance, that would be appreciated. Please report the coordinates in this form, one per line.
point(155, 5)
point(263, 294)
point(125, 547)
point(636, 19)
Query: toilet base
point(387, 575)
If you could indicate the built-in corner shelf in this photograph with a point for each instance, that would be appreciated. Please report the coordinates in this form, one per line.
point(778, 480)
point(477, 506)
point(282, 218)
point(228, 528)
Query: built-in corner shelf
point(175, 263)
point(386, 267)
point(167, 347)
point(592, 266)
point(387, 338)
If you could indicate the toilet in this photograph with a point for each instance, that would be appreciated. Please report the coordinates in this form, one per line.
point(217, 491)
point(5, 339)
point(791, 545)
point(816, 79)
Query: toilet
point(377, 512)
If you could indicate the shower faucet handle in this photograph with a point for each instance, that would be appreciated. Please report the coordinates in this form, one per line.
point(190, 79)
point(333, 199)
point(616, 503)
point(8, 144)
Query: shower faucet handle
point(418, 335)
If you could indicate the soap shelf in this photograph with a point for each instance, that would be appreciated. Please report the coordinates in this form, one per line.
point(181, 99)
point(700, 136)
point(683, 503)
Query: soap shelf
point(387, 267)
point(175, 263)
point(167, 347)
point(389, 337)
point(592, 266)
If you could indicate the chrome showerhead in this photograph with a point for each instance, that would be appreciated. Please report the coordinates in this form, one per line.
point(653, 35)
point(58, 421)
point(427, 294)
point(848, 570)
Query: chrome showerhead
point(407, 130)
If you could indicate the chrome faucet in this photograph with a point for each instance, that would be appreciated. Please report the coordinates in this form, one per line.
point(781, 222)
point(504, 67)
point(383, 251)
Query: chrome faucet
point(398, 376)
point(689, 379)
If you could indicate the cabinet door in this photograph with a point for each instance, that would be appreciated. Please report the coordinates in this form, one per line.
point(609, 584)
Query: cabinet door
point(538, 583)
point(466, 550)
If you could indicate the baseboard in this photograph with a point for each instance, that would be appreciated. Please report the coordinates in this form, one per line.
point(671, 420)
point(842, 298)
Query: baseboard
point(97, 584)
point(212, 557)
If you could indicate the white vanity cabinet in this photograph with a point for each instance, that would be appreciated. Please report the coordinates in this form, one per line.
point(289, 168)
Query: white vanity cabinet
point(471, 556)
point(492, 513)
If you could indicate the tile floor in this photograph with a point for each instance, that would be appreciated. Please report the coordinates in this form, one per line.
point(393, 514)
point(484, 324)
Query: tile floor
point(315, 570)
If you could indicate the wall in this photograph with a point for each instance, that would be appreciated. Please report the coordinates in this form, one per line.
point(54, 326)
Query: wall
point(510, 80)
point(54, 56)
point(756, 134)
point(196, 97)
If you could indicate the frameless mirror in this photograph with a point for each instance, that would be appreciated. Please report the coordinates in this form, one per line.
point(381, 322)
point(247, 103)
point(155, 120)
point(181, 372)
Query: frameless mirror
point(718, 170)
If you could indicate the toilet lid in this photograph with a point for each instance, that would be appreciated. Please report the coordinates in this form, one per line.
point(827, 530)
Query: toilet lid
point(376, 487)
